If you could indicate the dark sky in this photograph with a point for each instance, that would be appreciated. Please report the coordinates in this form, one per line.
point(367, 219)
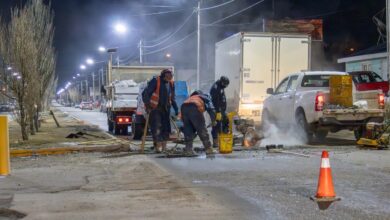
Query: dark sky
point(83, 25)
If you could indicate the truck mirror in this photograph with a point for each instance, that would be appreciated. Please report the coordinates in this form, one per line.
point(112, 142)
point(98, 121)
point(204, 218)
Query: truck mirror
point(270, 91)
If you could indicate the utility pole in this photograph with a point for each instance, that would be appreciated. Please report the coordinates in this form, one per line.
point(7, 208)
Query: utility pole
point(87, 87)
point(387, 36)
point(141, 53)
point(93, 86)
point(198, 50)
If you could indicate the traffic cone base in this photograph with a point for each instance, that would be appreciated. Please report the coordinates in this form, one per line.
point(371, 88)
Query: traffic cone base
point(325, 190)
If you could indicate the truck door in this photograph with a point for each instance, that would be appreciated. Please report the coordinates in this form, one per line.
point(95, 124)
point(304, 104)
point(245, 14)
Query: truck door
point(287, 100)
point(256, 69)
point(292, 55)
point(277, 100)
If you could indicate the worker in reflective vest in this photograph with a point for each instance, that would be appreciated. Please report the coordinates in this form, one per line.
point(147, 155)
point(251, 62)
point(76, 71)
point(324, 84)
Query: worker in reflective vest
point(194, 122)
point(159, 97)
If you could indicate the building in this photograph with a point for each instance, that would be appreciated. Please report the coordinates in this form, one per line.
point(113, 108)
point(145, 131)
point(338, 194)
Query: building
point(372, 59)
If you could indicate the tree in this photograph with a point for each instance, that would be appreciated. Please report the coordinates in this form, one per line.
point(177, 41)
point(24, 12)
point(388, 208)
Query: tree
point(26, 44)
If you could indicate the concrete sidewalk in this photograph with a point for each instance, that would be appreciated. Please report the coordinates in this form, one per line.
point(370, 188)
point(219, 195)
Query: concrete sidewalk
point(91, 186)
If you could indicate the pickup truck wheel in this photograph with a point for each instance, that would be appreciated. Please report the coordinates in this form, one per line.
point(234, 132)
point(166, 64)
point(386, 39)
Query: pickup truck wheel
point(321, 135)
point(137, 131)
point(303, 126)
point(360, 132)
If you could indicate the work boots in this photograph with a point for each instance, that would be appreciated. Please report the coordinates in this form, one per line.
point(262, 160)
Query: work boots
point(215, 143)
point(188, 150)
point(158, 147)
point(210, 151)
point(164, 146)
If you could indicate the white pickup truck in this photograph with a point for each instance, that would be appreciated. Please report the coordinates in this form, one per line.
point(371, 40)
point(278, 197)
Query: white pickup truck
point(302, 99)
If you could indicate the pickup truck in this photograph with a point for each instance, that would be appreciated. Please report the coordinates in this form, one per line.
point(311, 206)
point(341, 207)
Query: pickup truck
point(368, 80)
point(302, 99)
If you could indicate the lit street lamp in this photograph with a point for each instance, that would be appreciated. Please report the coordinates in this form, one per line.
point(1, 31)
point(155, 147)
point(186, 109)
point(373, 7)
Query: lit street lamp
point(9, 68)
point(120, 28)
point(90, 61)
point(83, 67)
point(102, 49)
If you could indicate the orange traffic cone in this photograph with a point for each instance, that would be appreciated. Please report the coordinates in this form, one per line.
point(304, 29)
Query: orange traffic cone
point(325, 189)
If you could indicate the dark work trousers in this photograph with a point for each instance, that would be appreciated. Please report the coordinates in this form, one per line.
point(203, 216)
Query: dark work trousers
point(194, 124)
point(159, 124)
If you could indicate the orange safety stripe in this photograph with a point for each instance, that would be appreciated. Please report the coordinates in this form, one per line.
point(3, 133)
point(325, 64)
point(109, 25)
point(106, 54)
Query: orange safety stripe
point(156, 94)
point(197, 100)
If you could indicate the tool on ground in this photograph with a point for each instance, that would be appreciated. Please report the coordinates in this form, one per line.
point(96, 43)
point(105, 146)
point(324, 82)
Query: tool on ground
point(247, 128)
point(325, 190)
point(279, 149)
point(225, 140)
point(377, 135)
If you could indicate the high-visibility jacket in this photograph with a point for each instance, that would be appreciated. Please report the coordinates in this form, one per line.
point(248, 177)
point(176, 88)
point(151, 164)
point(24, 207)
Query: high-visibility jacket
point(156, 94)
point(198, 101)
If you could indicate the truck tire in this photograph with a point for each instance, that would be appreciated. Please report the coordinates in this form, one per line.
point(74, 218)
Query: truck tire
point(321, 135)
point(137, 131)
point(307, 136)
point(110, 126)
point(125, 130)
point(117, 130)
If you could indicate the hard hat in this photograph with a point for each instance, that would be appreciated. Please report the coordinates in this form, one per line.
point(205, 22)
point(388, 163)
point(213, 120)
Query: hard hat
point(224, 81)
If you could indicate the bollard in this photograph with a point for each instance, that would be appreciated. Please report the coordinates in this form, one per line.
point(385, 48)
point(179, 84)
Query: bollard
point(4, 146)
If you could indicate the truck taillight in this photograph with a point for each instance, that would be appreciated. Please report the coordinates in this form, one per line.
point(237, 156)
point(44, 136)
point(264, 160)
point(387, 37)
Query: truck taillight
point(120, 120)
point(381, 100)
point(123, 119)
point(320, 100)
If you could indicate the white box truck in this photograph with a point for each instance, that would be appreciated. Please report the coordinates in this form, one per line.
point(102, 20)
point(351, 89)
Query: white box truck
point(257, 61)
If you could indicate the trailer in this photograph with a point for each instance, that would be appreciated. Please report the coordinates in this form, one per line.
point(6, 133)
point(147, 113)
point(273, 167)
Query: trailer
point(256, 61)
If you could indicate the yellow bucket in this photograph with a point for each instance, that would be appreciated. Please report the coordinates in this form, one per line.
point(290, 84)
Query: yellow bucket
point(225, 143)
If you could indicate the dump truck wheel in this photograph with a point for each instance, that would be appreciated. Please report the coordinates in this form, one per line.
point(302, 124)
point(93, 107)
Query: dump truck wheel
point(110, 126)
point(137, 131)
point(116, 129)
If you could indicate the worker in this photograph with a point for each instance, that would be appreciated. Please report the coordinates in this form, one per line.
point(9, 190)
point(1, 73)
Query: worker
point(194, 122)
point(217, 93)
point(159, 97)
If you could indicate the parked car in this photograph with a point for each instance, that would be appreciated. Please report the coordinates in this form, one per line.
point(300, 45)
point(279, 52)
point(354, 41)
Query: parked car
point(86, 105)
point(5, 108)
point(368, 80)
point(77, 105)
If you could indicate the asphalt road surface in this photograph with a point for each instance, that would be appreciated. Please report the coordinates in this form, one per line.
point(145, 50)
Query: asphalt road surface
point(278, 186)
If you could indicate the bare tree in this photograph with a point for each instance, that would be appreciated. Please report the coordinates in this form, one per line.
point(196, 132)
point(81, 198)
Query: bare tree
point(26, 44)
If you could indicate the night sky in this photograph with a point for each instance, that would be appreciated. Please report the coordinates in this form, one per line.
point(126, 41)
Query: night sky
point(83, 25)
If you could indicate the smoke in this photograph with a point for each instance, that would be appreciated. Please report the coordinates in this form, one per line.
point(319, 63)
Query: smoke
point(287, 136)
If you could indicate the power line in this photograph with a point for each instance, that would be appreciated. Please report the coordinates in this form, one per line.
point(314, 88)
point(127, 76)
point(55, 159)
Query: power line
point(161, 12)
point(236, 13)
point(170, 45)
point(217, 6)
point(169, 37)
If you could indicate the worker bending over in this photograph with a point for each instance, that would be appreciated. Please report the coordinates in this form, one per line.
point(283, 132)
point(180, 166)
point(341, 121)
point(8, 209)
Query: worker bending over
point(194, 122)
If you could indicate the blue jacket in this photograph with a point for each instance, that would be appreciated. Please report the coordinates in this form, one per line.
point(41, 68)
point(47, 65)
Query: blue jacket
point(166, 91)
point(218, 97)
point(208, 104)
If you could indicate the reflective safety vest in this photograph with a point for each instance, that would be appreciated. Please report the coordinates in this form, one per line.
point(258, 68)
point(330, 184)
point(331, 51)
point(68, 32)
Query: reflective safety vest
point(197, 100)
point(156, 94)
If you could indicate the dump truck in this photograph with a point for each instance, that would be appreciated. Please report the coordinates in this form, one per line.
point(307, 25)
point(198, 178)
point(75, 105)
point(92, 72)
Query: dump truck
point(122, 92)
point(257, 61)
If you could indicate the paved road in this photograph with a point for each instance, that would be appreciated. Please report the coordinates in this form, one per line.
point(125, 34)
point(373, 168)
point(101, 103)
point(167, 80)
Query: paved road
point(279, 185)
point(93, 117)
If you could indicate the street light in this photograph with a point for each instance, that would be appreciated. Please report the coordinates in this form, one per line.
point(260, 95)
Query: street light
point(15, 74)
point(90, 61)
point(120, 28)
point(78, 74)
point(9, 68)
point(102, 49)
point(83, 67)
point(168, 55)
